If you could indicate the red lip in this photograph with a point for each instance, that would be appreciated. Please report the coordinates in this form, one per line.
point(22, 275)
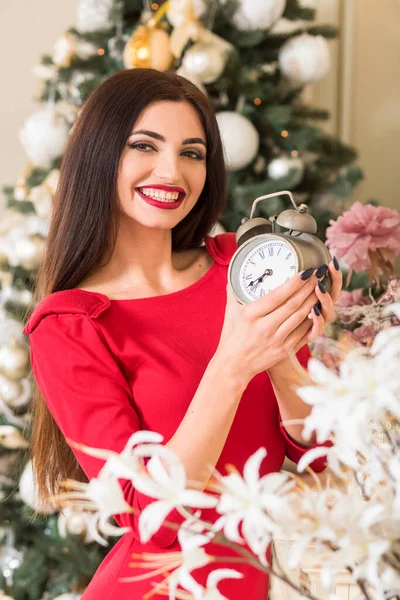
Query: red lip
point(166, 188)
point(157, 204)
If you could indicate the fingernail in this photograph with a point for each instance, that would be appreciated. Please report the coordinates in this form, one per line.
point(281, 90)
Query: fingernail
point(316, 310)
point(321, 271)
point(335, 263)
point(319, 305)
point(307, 274)
point(321, 287)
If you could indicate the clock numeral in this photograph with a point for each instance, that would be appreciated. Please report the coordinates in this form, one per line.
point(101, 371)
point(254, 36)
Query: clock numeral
point(249, 277)
point(292, 268)
point(279, 251)
point(261, 253)
point(262, 293)
point(252, 262)
point(271, 250)
point(289, 255)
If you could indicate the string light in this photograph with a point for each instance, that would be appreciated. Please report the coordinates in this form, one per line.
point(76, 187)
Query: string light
point(294, 153)
point(100, 51)
point(257, 101)
point(284, 133)
point(155, 6)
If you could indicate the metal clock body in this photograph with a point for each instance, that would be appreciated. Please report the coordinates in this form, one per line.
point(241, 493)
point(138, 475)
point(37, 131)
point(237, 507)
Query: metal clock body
point(266, 259)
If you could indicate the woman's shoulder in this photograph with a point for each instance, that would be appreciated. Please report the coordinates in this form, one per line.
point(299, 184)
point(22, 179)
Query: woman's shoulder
point(68, 302)
point(222, 247)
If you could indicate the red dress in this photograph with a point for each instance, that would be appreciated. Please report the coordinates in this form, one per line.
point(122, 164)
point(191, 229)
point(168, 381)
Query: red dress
point(107, 368)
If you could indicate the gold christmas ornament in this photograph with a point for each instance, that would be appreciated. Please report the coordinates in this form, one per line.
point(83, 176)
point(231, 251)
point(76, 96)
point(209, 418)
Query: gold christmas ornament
point(149, 46)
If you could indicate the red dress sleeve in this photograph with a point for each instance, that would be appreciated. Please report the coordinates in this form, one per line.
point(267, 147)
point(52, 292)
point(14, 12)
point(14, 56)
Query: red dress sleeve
point(86, 392)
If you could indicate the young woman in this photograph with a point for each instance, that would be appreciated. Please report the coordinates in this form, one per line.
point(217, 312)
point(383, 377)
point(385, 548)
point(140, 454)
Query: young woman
point(136, 329)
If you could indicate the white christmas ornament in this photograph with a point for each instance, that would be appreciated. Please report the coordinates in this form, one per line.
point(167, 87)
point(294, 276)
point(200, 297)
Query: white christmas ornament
point(240, 139)
point(94, 15)
point(14, 394)
point(64, 51)
point(305, 59)
point(258, 14)
point(29, 251)
point(68, 597)
point(28, 492)
point(205, 62)
point(14, 360)
point(176, 10)
point(281, 166)
point(44, 136)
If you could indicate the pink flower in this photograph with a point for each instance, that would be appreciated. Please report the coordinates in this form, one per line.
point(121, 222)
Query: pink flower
point(355, 297)
point(362, 231)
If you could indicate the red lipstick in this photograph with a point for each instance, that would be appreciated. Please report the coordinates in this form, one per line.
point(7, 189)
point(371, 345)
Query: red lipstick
point(159, 204)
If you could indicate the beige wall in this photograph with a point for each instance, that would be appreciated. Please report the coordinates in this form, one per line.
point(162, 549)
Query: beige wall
point(28, 28)
point(363, 92)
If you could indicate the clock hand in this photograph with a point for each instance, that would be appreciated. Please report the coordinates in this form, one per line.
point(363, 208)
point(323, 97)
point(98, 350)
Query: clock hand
point(261, 278)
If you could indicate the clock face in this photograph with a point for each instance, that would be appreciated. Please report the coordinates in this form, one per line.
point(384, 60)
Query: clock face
point(267, 264)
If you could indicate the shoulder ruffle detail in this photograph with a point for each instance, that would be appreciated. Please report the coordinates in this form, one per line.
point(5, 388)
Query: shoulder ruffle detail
point(73, 302)
point(222, 247)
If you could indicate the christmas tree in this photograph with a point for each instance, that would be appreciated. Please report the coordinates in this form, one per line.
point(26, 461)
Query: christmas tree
point(253, 58)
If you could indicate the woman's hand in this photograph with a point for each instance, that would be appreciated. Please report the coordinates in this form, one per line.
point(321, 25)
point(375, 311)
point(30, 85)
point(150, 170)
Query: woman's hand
point(259, 335)
point(324, 312)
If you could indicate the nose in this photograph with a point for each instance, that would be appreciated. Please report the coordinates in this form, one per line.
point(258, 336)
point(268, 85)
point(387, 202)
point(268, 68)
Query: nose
point(167, 167)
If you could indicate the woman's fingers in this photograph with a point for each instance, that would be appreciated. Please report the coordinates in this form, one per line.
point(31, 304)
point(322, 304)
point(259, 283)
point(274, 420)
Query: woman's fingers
point(337, 279)
point(283, 296)
point(291, 343)
point(325, 305)
point(318, 324)
point(297, 317)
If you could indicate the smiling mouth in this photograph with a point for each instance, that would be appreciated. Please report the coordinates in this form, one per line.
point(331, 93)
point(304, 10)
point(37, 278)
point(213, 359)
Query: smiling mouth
point(162, 195)
point(159, 201)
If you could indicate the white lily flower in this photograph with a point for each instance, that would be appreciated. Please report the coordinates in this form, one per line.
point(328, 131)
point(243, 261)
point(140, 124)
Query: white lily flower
point(165, 480)
point(128, 463)
point(103, 497)
point(247, 500)
point(177, 566)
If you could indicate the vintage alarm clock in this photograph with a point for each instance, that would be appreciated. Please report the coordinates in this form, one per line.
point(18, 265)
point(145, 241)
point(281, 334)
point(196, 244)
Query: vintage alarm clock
point(266, 259)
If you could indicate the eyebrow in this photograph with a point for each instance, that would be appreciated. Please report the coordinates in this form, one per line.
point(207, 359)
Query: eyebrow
point(161, 138)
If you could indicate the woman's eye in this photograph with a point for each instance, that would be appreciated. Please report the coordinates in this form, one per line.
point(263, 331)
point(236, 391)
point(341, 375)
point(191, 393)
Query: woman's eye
point(142, 146)
point(194, 154)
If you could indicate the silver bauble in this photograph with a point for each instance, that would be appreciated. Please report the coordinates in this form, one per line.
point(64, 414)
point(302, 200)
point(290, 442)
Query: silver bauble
point(205, 62)
point(14, 394)
point(14, 361)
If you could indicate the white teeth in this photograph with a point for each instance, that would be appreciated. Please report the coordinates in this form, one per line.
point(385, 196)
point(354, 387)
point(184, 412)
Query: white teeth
point(160, 195)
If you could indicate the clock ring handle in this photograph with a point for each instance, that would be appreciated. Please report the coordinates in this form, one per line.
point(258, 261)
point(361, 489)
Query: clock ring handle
point(302, 208)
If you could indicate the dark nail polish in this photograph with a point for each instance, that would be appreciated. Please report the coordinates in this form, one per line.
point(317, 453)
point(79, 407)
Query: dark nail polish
point(335, 263)
point(319, 305)
point(316, 310)
point(307, 274)
point(321, 287)
point(321, 271)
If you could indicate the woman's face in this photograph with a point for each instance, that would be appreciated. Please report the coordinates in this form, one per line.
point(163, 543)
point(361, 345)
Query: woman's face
point(162, 169)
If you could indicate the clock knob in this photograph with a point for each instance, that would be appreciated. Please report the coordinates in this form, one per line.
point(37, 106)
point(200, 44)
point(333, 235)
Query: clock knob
point(297, 221)
point(251, 227)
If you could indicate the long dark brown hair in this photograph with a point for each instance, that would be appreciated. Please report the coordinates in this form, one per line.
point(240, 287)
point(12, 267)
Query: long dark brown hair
point(84, 220)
